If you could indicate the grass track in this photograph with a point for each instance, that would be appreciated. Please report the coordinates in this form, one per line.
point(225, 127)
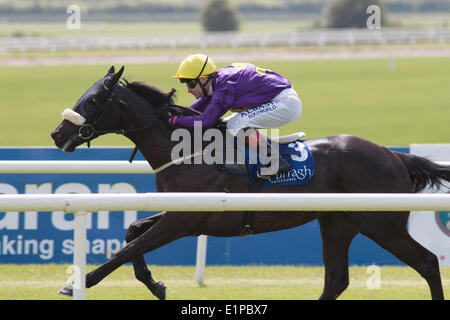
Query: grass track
point(391, 103)
point(40, 282)
point(409, 103)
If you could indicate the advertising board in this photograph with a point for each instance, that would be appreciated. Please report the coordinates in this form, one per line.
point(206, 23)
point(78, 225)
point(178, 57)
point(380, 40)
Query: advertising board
point(432, 228)
point(47, 237)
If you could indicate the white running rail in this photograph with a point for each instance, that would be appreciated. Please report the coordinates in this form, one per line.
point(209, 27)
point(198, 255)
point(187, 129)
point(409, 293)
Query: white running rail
point(79, 166)
point(79, 204)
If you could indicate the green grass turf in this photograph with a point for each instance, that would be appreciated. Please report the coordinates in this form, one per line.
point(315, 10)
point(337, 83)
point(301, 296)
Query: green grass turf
point(390, 102)
point(23, 282)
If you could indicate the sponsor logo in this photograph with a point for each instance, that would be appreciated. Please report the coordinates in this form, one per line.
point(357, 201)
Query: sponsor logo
point(443, 221)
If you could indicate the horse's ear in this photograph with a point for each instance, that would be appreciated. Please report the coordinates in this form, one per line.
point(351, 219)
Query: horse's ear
point(111, 70)
point(112, 80)
point(115, 77)
point(120, 72)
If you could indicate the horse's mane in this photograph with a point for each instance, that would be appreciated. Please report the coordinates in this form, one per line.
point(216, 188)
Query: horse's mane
point(157, 98)
point(152, 94)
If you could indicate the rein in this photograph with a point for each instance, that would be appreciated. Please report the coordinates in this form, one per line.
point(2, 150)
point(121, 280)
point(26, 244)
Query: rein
point(135, 150)
point(88, 130)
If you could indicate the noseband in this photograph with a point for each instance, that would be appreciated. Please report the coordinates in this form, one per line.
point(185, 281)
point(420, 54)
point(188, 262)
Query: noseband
point(87, 130)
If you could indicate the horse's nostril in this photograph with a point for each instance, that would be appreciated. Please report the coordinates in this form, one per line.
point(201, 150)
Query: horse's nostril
point(57, 135)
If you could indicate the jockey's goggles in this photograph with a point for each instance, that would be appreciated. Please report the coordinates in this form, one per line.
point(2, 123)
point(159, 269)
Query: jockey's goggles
point(190, 83)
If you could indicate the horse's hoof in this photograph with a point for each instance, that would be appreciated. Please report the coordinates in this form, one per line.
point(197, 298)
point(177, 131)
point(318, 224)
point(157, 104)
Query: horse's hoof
point(67, 290)
point(160, 290)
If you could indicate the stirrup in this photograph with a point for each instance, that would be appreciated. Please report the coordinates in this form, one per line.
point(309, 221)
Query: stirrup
point(281, 169)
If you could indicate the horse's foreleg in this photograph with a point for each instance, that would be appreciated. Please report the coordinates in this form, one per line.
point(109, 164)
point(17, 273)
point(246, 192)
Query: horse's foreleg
point(141, 271)
point(337, 233)
point(143, 274)
point(166, 230)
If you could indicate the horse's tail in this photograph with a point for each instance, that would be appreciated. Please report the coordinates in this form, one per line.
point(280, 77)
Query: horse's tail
point(423, 172)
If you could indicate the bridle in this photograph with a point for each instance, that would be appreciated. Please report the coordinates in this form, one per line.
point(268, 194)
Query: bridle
point(87, 130)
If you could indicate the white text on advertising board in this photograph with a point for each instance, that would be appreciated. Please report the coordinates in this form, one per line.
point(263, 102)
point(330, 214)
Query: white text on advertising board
point(61, 220)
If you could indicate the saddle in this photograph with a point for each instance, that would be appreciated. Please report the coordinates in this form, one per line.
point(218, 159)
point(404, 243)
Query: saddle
point(243, 169)
point(291, 146)
point(238, 167)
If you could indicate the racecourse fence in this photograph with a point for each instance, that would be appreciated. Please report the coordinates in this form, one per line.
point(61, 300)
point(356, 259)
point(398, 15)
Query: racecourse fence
point(312, 37)
point(79, 204)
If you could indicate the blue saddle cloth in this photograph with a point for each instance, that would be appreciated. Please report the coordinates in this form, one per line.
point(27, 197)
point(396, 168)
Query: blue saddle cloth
point(302, 166)
point(296, 153)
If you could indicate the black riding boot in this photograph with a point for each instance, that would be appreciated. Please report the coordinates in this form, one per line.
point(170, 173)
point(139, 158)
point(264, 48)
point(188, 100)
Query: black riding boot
point(269, 169)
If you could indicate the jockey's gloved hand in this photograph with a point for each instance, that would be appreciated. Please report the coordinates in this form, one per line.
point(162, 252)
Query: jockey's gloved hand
point(172, 120)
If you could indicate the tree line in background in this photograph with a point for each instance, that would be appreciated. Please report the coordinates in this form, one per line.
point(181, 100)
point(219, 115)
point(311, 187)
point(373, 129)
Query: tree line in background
point(221, 15)
point(226, 15)
point(246, 7)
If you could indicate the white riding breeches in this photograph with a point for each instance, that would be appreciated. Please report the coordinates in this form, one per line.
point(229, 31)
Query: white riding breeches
point(284, 108)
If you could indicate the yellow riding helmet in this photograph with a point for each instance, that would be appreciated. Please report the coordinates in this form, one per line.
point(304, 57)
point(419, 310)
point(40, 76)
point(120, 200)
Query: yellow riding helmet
point(196, 66)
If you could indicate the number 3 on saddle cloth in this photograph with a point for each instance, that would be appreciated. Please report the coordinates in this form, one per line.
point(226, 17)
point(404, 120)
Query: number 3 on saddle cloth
point(296, 153)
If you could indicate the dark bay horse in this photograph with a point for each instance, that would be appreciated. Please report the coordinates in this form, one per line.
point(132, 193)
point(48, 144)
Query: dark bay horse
point(344, 164)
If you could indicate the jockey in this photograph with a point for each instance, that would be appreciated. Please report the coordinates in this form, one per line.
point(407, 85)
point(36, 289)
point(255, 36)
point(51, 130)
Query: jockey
point(261, 98)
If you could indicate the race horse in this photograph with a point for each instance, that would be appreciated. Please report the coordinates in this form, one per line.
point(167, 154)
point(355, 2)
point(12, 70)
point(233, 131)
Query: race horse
point(344, 164)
